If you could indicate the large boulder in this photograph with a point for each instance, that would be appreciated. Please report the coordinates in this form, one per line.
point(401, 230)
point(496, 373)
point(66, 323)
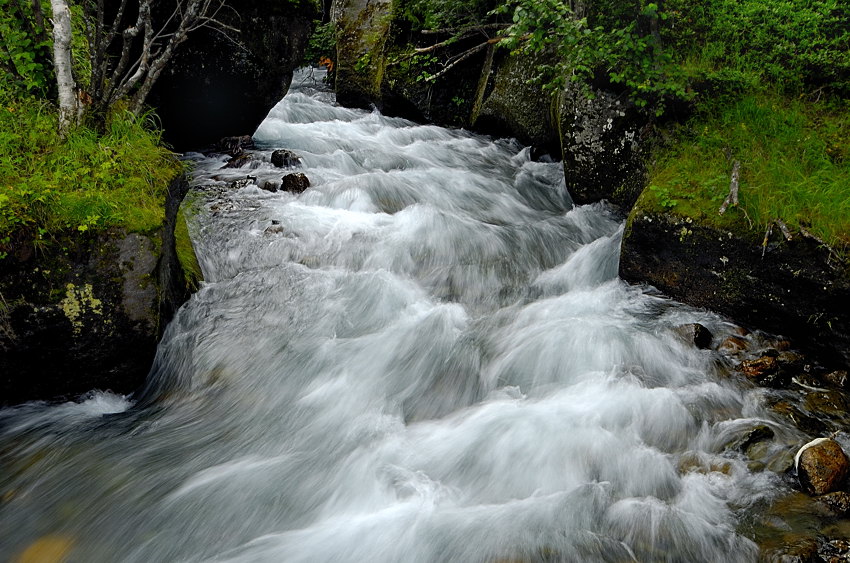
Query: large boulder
point(221, 84)
point(87, 311)
point(821, 466)
point(363, 27)
point(603, 146)
point(796, 288)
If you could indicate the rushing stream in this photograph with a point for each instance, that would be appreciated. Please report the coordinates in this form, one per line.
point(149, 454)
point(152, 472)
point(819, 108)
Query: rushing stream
point(427, 356)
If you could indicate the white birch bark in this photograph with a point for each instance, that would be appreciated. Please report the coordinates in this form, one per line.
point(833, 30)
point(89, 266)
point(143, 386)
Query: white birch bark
point(62, 64)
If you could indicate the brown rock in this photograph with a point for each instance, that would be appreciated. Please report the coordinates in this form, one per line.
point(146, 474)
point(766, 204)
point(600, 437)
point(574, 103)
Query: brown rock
point(822, 466)
point(295, 183)
point(760, 367)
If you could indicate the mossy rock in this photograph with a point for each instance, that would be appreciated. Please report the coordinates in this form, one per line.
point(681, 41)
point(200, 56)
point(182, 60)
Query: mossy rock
point(87, 311)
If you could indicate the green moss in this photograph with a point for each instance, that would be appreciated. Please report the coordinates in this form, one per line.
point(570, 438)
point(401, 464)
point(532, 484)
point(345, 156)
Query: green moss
point(795, 167)
point(92, 180)
point(186, 253)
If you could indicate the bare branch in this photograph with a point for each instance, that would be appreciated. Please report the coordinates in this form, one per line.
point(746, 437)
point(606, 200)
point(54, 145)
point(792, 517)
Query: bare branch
point(463, 56)
point(732, 198)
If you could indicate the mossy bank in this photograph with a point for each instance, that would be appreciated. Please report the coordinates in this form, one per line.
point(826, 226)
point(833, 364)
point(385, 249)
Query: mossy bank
point(86, 311)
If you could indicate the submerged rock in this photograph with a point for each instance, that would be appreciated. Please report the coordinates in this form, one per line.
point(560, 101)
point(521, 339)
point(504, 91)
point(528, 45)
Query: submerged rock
point(821, 466)
point(696, 334)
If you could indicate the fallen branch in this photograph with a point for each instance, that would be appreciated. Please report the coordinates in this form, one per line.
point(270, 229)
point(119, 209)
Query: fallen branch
point(732, 199)
point(784, 228)
point(466, 30)
point(767, 234)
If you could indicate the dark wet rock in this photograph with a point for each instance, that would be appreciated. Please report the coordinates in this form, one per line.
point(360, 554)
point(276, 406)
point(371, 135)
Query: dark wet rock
point(225, 83)
point(837, 378)
point(838, 502)
point(695, 334)
point(795, 288)
point(296, 183)
point(756, 434)
point(733, 345)
point(239, 161)
point(807, 424)
point(269, 186)
point(822, 466)
point(86, 312)
point(801, 550)
point(234, 146)
point(829, 403)
point(283, 158)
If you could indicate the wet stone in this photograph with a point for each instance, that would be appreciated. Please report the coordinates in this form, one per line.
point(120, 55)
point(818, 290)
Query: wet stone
point(830, 403)
point(270, 186)
point(757, 434)
point(295, 183)
point(803, 422)
point(838, 502)
point(283, 158)
point(822, 466)
point(238, 161)
point(836, 378)
point(733, 345)
point(765, 372)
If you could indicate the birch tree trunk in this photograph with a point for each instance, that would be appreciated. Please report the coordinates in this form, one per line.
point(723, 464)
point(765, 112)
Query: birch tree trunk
point(62, 64)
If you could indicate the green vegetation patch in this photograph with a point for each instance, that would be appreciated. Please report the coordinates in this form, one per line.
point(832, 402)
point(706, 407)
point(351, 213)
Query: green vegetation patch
point(116, 177)
point(795, 167)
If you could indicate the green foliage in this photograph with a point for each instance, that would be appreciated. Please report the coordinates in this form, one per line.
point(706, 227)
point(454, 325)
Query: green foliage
point(88, 181)
point(445, 14)
point(24, 50)
point(798, 44)
point(795, 166)
point(322, 44)
point(621, 41)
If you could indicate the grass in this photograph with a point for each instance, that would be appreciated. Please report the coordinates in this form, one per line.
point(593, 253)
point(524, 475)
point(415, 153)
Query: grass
point(91, 180)
point(795, 166)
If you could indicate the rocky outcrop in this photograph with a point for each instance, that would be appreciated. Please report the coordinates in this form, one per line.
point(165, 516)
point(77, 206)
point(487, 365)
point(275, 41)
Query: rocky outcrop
point(363, 27)
point(86, 312)
point(794, 288)
point(218, 85)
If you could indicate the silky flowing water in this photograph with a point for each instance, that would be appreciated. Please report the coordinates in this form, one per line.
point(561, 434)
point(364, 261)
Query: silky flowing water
point(427, 356)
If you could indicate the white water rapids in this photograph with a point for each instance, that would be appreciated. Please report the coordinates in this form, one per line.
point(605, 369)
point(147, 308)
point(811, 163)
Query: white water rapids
point(433, 360)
